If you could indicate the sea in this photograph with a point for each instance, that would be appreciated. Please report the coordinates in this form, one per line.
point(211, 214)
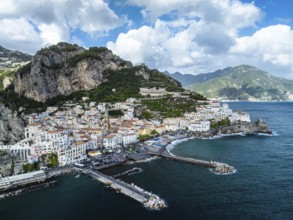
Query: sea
point(262, 187)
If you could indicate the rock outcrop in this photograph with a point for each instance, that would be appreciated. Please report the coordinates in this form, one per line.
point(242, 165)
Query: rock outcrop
point(63, 68)
point(11, 126)
point(249, 128)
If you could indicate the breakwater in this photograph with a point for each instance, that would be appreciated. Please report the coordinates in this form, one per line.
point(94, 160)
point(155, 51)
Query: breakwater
point(216, 167)
point(149, 200)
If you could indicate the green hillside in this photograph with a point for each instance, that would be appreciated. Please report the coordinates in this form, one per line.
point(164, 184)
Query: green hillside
point(246, 83)
point(8, 72)
point(116, 85)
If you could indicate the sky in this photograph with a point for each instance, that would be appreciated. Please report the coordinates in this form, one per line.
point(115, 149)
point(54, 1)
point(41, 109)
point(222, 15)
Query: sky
point(188, 36)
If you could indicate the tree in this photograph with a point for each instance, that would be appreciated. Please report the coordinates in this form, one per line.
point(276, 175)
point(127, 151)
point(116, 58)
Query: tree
point(154, 133)
point(146, 115)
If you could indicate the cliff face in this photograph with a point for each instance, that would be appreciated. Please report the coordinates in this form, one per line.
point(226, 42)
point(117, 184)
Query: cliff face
point(63, 69)
point(11, 126)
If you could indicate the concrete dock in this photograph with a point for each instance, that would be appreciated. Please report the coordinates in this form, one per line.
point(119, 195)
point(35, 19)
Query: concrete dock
point(219, 168)
point(197, 162)
point(120, 186)
point(148, 199)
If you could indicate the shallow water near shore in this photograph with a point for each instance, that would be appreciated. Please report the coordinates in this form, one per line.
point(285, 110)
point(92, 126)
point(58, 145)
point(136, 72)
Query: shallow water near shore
point(262, 187)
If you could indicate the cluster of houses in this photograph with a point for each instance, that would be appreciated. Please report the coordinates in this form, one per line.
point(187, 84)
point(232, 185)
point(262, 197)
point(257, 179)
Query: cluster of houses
point(76, 130)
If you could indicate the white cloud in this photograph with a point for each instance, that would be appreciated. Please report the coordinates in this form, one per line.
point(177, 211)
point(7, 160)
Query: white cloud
point(54, 20)
point(19, 34)
point(227, 12)
point(272, 46)
point(202, 36)
point(53, 33)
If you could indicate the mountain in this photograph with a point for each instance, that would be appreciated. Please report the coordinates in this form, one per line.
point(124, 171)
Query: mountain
point(9, 58)
point(64, 72)
point(188, 79)
point(10, 61)
point(244, 82)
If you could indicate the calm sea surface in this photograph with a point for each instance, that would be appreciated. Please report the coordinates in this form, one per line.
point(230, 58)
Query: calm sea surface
point(262, 187)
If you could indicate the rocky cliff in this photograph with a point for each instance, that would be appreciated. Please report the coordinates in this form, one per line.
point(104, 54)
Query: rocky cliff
point(64, 68)
point(258, 127)
point(11, 126)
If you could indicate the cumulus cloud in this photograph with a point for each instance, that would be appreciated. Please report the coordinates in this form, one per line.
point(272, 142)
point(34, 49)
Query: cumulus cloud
point(196, 30)
point(272, 46)
point(202, 36)
point(55, 20)
point(229, 12)
point(19, 34)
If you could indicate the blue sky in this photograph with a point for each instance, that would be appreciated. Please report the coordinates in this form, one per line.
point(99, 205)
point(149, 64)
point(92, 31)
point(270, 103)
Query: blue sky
point(189, 36)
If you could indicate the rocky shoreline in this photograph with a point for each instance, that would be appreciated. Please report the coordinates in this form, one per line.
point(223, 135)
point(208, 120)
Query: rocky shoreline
point(27, 188)
point(258, 127)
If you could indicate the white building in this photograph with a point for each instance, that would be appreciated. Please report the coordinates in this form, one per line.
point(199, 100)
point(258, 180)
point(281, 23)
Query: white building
point(18, 150)
point(199, 126)
point(171, 124)
point(32, 130)
point(153, 92)
point(111, 141)
point(129, 138)
point(74, 153)
point(239, 116)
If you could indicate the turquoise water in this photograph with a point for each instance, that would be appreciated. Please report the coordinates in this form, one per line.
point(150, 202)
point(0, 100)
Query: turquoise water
point(262, 187)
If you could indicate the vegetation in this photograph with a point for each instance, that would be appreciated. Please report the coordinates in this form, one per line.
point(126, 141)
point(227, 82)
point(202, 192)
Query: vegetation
point(118, 86)
point(146, 115)
point(98, 50)
point(87, 54)
point(144, 137)
point(224, 122)
point(29, 167)
point(25, 69)
point(62, 46)
point(157, 79)
point(154, 133)
point(15, 101)
point(50, 160)
point(197, 96)
point(244, 82)
point(6, 73)
point(115, 113)
point(170, 107)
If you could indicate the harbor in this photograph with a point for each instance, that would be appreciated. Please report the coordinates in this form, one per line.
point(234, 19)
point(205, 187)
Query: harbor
point(162, 145)
point(149, 200)
point(158, 147)
point(14, 185)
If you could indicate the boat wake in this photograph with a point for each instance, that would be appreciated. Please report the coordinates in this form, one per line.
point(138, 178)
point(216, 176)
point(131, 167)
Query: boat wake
point(143, 160)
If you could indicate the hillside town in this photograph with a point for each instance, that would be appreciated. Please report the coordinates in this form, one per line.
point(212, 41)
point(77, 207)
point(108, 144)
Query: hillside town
point(76, 131)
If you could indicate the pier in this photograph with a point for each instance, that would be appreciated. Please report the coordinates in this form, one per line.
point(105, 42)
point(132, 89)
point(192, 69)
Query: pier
point(219, 168)
point(197, 162)
point(148, 199)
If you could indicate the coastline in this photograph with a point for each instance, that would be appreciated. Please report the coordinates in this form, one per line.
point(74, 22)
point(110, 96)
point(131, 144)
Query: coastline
point(173, 139)
point(257, 128)
point(28, 188)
